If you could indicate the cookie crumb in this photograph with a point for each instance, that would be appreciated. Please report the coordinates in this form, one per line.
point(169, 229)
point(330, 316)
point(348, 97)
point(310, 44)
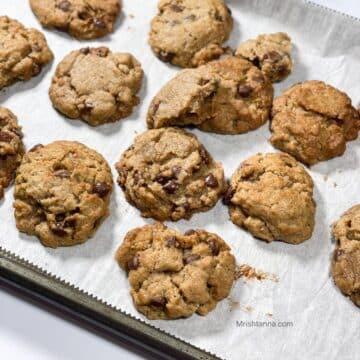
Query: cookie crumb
point(326, 178)
point(248, 272)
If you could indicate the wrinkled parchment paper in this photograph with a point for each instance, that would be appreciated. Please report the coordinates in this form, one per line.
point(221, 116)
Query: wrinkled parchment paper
point(306, 316)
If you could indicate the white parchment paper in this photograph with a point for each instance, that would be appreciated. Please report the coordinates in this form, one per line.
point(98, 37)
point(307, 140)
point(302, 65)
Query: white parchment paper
point(325, 325)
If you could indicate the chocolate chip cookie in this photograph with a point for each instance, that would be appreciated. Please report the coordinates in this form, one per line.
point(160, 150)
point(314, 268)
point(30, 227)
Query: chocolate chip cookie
point(189, 33)
point(24, 52)
point(229, 96)
point(271, 196)
point(174, 275)
point(96, 85)
point(11, 147)
point(312, 121)
point(345, 267)
point(82, 19)
point(62, 193)
point(168, 175)
point(271, 53)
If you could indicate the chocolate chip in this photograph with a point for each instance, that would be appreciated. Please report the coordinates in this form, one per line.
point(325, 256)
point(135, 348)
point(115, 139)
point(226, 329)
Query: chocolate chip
point(64, 5)
point(203, 82)
point(18, 132)
point(244, 90)
point(190, 232)
point(158, 301)
point(338, 253)
point(137, 177)
point(172, 242)
point(214, 247)
point(102, 51)
point(59, 230)
point(176, 8)
point(85, 51)
point(161, 179)
point(256, 62)
point(191, 258)
point(62, 173)
point(5, 137)
point(190, 17)
point(228, 195)
point(204, 156)
point(133, 263)
point(36, 147)
point(82, 15)
point(101, 188)
point(100, 24)
point(170, 187)
point(166, 56)
point(176, 170)
point(60, 217)
point(211, 181)
point(273, 56)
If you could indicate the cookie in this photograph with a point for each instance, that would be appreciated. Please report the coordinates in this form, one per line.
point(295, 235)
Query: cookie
point(312, 121)
point(24, 52)
point(82, 19)
point(229, 96)
point(345, 266)
point(174, 275)
point(96, 85)
point(190, 33)
point(271, 196)
point(271, 53)
point(62, 193)
point(168, 175)
point(11, 147)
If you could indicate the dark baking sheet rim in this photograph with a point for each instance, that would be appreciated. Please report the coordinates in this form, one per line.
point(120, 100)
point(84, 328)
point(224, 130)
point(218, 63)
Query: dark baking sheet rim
point(39, 285)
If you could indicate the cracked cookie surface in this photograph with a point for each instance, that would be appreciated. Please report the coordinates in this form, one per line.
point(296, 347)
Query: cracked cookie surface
point(229, 96)
point(174, 275)
point(11, 147)
point(82, 19)
point(168, 175)
point(271, 196)
point(24, 52)
point(96, 85)
point(312, 121)
point(345, 266)
point(62, 193)
point(271, 53)
point(190, 33)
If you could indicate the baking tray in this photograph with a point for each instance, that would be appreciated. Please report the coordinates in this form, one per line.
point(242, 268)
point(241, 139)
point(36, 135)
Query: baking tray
point(38, 285)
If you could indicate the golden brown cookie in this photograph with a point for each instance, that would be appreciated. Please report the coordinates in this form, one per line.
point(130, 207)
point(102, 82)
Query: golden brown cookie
point(271, 53)
point(62, 193)
point(24, 52)
point(271, 196)
point(174, 275)
point(82, 19)
point(312, 121)
point(229, 96)
point(168, 175)
point(96, 85)
point(345, 266)
point(190, 33)
point(11, 147)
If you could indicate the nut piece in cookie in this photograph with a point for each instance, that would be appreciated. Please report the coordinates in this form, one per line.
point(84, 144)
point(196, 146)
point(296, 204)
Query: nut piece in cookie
point(24, 52)
point(312, 121)
point(62, 193)
point(190, 33)
point(174, 275)
point(271, 53)
point(82, 19)
point(11, 147)
point(96, 85)
point(168, 175)
point(229, 96)
point(345, 266)
point(271, 196)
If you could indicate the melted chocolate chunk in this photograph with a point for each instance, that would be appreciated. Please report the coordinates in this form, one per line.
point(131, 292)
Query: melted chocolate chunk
point(133, 263)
